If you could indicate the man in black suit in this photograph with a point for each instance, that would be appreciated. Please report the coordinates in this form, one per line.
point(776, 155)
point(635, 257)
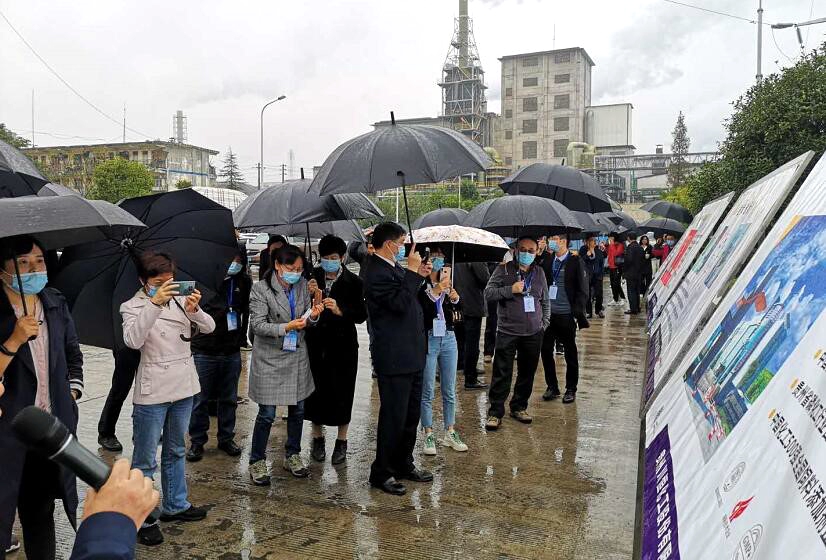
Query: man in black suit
point(470, 280)
point(632, 270)
point(399, 348)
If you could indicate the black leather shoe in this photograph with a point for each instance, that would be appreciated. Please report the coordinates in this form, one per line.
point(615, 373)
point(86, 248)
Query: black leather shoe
point(230, 448)
point(418, 475)
point(318, 453)
point(110, 443)
point(550, 394)
point(150, 536)
point(476, 385)
point(570, 396)
point(191, 514)
point(391, 486)
point(195, 453)
point(339, 452)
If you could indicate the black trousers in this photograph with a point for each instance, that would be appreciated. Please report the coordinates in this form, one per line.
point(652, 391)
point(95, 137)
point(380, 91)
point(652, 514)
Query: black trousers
point(490, 328)
point(616, 284)
point(562, 329)
point(645, 282)
point(633, 293)
point(401, 401)
point(35, 506)
point(526, 350)
point(459, 332)
point(126, 366)
point(594, 304)
point(472, 335)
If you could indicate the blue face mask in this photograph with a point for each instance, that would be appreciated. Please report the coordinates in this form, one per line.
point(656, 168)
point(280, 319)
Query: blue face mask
point(553, 245)
point(330, 265)
point(400, 253)
point(33, 283)
point(151, 290)
point(670, 242)
point(234, 268)
point(526, 259)
point(438, 263)
point(291, 277)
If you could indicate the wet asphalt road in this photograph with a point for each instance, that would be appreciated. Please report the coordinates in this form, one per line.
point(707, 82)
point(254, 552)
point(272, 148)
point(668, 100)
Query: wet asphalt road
point(563, 487)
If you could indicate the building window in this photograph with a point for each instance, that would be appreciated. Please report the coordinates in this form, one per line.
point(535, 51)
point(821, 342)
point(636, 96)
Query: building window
point(529, 104)
point(508, 161)
point(561, 147)
point(530, 82)
point(529, 149)
point(135, 154)
point(509, 92)
point(508, 135)
point(529, 125)
point(562, 124)
point(530, 61)
point(562, 101)
point(562, 78)
point(508, 113)
point(562, 58)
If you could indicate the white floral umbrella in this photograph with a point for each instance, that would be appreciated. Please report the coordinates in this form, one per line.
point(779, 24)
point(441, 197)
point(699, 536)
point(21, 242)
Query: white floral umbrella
point(462, 243)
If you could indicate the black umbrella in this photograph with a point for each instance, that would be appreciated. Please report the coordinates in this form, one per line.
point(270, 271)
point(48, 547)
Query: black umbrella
point(663, 226)
point(573, 188)
point(610, 226)
point(399, 155)
point(53, 189)
point(18, 175)
point(97, 278)
point(589, 224)
point(441, 217)
point(620, 218)
point(512, 216)
point(668, 209)
point(348, 230)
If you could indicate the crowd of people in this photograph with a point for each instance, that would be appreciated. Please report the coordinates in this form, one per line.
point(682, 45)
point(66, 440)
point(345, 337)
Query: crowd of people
point(182, 356)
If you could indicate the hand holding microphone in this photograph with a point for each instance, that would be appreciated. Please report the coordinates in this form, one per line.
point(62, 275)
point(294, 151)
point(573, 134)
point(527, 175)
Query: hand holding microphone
point(126, 491)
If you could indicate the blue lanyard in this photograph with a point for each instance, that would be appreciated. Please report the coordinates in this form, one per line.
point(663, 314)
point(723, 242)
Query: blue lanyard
point(557, 269)
point(439, 309)
point(528, 280)
point(291, 299)
point(231, 293)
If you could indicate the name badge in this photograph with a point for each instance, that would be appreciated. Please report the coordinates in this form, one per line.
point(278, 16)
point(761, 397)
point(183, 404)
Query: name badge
point(232, 321)
point(552, 292)
point(530, 305)
point(290, 341)
point(439, 327)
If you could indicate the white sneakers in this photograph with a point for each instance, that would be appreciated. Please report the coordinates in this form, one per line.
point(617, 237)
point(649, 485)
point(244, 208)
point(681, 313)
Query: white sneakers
point(429, 444)
point(451, 440)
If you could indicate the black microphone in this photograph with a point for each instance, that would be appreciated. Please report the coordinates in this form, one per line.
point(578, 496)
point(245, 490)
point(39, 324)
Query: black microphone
point(43, 432)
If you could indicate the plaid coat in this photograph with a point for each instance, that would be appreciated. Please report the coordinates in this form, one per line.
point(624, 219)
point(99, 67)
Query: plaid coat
point(278, 377)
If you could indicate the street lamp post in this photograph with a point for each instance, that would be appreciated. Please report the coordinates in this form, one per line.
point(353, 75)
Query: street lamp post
point(261, 162)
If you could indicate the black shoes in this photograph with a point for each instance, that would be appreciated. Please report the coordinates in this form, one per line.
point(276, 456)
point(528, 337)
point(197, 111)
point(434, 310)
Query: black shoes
point(150, 536)
point(191, 514)
point(110, 443)
point(550, 394)
point(339, 452)
point(195, 453)
point(570, 396)
point(473, 385)
point(230, 448)
point(318, 452)
point(391, 486)
point(418, 475)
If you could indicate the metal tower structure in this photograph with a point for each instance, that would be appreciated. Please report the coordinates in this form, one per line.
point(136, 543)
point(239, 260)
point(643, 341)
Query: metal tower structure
point(463, 81)
point(179, 133)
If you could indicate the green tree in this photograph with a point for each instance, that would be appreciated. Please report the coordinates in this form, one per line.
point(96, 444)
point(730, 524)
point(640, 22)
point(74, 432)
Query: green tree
point(116, 179)
point(773, 122)
point(10, 137)
point(230, 172)
point(678, 169)
point(183, 184)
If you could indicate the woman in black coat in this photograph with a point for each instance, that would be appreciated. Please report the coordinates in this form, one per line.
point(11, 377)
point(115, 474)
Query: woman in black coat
point(647, 269)
point(333, 347)
point(46, 371)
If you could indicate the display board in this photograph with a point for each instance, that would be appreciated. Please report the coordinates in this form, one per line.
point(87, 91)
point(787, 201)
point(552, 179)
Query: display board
point(674, 267)
point(735, 459)
point(706, 281)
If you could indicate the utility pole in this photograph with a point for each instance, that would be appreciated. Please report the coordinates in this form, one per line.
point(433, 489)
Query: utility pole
point(124, 123)
point(32, 118)
point(283, 171)
point(759, 41)
point(260, 174)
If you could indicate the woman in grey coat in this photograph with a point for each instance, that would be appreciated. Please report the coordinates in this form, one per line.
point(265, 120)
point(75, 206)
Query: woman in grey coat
point(281, 307)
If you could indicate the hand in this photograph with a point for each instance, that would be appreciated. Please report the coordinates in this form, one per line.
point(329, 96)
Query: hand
point(518, 287)
point(444, 282)
point(192, 301)
point(25, 328)
point(316, 311)
point(127, 492)
point(425, 269)
point(165, 292)
point(332, 305)
point(414, 261)
point(454, 295)
point(296, 325)
point(75, 394)
point(315, 292)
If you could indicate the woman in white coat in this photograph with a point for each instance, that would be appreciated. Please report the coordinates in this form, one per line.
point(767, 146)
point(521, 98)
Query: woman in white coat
point(160, 324)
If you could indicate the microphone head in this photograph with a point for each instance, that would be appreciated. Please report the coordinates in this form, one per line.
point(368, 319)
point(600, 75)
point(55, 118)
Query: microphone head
point(40, 430)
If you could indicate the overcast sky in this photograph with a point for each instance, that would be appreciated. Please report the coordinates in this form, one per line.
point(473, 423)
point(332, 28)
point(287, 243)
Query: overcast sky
point(346, 64)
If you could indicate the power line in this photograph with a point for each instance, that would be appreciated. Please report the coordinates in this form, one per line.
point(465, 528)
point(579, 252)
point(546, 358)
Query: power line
point(779, 49)
point(741, 18)
point(67, 84)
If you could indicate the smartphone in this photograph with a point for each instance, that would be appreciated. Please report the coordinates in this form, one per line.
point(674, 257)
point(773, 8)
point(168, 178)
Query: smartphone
point(445, 272)
point(185, 287)
point(426, 256)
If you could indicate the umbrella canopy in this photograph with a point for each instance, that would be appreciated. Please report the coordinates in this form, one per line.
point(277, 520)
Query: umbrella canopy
point(97, 278)
point(668, 209)
point(590, 226)
point(609, 225)
point(441, 217)
point(462, 243)
point(619, 217)
point(348, 230)
point(663, 226)
point(228, 198)
point(512, 216)
point(53, 189)
point(291, 203)
point(573, 188)
point(18, 175)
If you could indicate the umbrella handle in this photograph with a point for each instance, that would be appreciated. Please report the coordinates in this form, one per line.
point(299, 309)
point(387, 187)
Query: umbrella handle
point(406, 206)
point(22, 293)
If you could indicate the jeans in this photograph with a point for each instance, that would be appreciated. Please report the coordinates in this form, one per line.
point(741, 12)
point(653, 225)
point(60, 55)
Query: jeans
point(490, 327)
point(616, 284)
point(562, 329)
point(171, 419)
point(594, 304)
point(441, 349)
point(473, 332)
point(525, 350)
point(263, 425)
point(219, 380)
point(123, 377)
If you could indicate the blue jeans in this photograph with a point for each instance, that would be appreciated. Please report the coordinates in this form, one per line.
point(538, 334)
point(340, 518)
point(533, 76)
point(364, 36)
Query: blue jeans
point(171, 419)
point(219, 381)
point(263, 425)
point(444, 351)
